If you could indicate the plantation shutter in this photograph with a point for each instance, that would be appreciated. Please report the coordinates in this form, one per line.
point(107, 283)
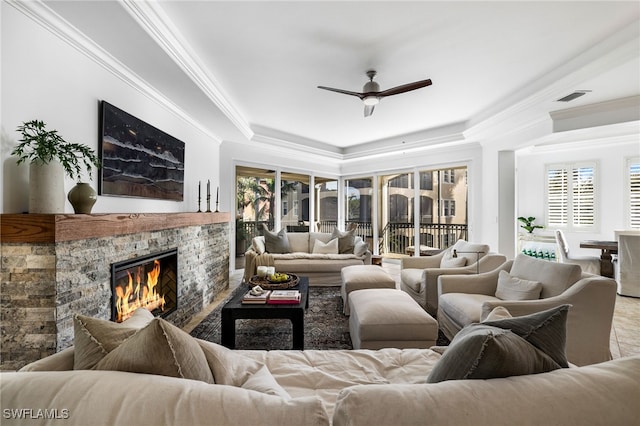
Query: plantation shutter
point(634, 193)
point(557, 196)
point(583, 200)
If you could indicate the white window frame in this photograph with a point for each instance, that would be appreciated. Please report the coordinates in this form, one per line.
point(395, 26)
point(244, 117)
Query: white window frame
point(632, 194)
point(570, 221)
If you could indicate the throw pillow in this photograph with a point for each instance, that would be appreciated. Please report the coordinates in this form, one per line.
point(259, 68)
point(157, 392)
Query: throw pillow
point(480, 351)
point(263, 381)
point(360, 248)
point(326, 248)
point(257, 243)
point(498, 313)
point(448, 261)
point(162, 349)
point(276, 242)
point(229, 367)
point(346, 240)
point(94, 338)
point(514, 288)
point(546, 330)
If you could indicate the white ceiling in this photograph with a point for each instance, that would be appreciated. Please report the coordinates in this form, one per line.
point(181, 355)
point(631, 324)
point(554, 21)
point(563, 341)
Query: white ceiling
point(249, 70)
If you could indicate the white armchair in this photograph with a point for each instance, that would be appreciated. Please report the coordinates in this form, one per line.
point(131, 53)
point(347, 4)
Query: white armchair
point(419, 275)
point(627, 266)
point(589, 264)
point(468, 299)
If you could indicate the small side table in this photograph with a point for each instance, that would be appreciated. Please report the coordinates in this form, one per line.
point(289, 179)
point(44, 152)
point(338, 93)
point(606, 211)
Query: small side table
point(376, 260)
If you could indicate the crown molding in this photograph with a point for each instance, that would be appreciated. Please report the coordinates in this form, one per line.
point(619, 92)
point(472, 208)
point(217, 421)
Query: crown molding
point(48, 19)
point(152, 18)
point(597, 114)
point(280, 139)
point(608, 135)
point(530, 100)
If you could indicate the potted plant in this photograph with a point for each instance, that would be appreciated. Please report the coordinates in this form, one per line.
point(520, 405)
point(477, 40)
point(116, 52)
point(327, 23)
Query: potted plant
point(528, 224)
point(50, 157)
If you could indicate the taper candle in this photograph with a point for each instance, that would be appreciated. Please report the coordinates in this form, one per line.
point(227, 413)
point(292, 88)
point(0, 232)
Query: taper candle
point(208, 188)
point(217, 194)
point(198, 190)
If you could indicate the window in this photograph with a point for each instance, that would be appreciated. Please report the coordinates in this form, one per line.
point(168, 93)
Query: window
point(448, 208)
point(633, 191)
point(571, 196)
point(448, 176)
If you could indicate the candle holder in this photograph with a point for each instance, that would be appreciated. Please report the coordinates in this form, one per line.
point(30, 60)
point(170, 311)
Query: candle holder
point(455, 254)
point(208, 203)
point(199, 210)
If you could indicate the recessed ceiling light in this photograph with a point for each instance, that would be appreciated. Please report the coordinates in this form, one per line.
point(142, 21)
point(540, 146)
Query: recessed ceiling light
point(573, 95)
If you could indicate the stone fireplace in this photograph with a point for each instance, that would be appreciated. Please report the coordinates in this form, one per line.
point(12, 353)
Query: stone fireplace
point(54, 266)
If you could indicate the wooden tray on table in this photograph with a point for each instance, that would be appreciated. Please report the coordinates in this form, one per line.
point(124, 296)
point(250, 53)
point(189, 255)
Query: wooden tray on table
point(267, 284)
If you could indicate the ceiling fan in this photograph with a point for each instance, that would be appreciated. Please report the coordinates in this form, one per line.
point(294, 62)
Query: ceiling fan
point(371, 93)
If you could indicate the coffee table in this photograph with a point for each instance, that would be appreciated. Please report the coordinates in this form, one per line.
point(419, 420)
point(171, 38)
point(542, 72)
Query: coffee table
point(234, 309)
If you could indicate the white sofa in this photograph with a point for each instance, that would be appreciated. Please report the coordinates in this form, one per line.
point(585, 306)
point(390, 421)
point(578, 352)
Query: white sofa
point(322, 269)
point(313, 387)
point(343, 388)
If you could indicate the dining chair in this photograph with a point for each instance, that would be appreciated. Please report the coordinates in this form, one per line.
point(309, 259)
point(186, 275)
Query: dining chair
point(589, 264)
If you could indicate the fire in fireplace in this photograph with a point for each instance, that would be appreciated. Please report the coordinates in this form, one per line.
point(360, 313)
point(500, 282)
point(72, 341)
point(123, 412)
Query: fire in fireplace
point(150, 282)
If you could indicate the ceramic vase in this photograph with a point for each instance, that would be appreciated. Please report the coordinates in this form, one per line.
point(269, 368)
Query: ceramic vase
point(46, 187)
point(82, 197)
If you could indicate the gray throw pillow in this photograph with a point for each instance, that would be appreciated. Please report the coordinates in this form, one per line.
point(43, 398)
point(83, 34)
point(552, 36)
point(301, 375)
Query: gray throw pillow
point(506, 347)
point(276, 242)
point(546, 330)
point(346, 240)
point(480, 351)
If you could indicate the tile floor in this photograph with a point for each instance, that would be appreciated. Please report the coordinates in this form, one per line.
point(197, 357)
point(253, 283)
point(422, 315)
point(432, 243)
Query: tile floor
point(625, 333)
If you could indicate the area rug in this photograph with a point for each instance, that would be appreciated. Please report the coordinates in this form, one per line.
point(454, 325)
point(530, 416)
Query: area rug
point(325, 326)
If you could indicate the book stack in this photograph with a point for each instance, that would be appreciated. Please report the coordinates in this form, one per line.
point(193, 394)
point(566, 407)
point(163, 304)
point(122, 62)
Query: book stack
point(284, 297)
point(252, 299)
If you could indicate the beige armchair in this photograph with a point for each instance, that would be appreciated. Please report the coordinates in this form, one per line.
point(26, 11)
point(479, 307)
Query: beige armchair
point(468, 299)
point(419, 275)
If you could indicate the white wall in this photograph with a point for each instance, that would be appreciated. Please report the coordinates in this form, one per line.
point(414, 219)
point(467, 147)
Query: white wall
point(611, 159)
point(47, 79)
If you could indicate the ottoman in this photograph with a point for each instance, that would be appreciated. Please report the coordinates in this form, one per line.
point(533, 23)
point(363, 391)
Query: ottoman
point(357, 277)
point(389, 318)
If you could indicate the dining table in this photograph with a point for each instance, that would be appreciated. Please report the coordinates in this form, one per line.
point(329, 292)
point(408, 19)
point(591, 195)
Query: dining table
point(607, 248)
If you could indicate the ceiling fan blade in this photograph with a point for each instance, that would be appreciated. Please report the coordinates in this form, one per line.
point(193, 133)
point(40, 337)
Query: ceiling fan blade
point(344, 92)
point(368, 110)
point(405, 88)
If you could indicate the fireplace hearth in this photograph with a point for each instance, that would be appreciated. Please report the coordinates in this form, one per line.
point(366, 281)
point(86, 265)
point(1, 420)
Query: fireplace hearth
point(149, 281)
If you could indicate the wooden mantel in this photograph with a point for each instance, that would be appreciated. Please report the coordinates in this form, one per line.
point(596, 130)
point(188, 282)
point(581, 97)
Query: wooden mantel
point(50, 228)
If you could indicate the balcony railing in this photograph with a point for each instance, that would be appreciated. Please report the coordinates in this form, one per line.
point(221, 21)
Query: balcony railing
point(395, 238)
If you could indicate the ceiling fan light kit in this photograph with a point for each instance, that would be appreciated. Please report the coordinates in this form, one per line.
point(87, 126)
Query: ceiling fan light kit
point(371, 94)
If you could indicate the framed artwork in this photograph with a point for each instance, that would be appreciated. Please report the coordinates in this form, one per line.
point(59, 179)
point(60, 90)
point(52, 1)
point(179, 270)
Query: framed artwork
point(138, 160)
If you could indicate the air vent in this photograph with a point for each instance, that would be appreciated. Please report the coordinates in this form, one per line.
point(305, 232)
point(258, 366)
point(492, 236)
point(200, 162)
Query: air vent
point(573, 95)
